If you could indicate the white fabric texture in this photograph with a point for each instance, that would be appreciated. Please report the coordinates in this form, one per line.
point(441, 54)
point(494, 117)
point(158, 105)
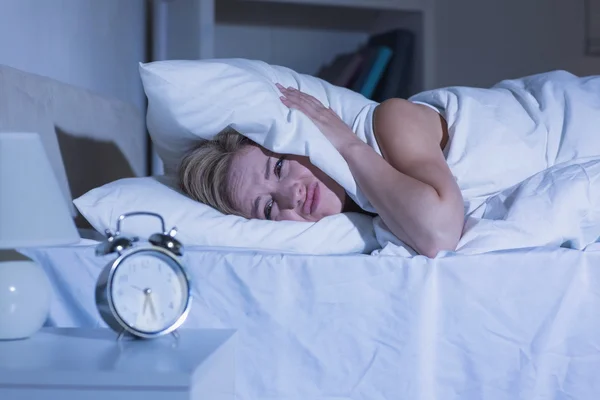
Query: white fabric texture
point(525, 155)
point(198, 224)
point(517, 324)
point(505, 134)
point(558, 207)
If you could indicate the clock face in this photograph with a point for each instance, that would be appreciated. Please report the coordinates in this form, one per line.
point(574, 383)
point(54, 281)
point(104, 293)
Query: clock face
point(149, 291)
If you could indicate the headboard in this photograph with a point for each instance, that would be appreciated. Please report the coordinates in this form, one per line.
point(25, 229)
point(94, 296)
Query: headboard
point(90, 140)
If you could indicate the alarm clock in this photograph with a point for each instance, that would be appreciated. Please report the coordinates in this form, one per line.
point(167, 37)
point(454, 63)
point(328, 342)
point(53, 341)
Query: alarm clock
point(145, 290)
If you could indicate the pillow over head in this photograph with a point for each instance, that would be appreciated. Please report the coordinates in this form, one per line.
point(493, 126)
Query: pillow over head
point(193, 100)
point(198, 224)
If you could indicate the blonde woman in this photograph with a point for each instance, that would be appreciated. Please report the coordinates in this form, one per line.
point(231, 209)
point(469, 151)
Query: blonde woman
point(411, 187)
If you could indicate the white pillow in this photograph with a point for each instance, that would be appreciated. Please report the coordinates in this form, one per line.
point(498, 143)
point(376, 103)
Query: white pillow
point(201, 225)
point(192, 100)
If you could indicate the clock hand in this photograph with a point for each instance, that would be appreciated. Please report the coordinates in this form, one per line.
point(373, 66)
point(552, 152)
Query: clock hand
point(145, 304)
point(152, 309)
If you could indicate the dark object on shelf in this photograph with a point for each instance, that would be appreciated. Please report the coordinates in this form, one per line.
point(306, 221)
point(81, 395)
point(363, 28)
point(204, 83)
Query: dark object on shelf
point(381, 69)
point(592, 27)
point(376, 59)
point(343, 69)
point(397, 80)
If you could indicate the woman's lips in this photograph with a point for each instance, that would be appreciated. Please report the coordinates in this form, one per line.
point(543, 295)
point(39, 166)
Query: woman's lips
point(315, 198)
point(312, 199)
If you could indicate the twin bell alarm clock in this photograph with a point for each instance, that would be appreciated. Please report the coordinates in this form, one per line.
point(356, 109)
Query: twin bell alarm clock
point(144, 291)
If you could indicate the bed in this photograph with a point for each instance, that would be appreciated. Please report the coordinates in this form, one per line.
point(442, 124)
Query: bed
point(516, 324)
point(506, 324)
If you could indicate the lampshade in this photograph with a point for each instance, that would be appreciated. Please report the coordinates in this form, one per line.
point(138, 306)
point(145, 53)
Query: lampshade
point(33, 209)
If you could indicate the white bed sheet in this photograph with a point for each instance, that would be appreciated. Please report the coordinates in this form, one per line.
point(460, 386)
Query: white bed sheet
point(518, 324)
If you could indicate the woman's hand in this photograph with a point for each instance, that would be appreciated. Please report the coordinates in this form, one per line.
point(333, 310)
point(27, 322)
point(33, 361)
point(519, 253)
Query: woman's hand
point(411, 187)
point(328, 122)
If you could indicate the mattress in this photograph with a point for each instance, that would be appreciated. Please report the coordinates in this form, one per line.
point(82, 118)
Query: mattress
point(513, 324)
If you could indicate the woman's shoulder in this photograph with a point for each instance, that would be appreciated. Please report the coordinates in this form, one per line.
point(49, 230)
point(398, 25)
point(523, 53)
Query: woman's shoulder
point(397, 120)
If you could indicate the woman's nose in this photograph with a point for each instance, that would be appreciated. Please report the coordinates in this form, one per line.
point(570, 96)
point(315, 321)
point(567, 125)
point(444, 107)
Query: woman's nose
point(291, 195)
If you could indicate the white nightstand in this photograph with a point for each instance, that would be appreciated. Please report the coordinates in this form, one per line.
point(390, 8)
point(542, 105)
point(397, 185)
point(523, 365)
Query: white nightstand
point(90, 364)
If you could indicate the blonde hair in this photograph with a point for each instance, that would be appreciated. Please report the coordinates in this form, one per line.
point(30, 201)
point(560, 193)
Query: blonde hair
point(204, 170)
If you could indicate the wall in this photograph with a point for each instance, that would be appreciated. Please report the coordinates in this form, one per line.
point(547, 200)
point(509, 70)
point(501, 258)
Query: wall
point(304, 56)
point(482, 41)
point(297, 36)
point(95, 44)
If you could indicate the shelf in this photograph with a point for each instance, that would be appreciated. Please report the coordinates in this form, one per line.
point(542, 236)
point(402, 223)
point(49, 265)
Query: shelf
point(303, 35)
point(313, 14)
point(398, 5)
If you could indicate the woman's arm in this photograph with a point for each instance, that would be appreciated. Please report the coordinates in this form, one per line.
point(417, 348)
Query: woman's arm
point(413, 191)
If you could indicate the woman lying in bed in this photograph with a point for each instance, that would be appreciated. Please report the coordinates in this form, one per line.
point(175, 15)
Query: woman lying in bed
point(411, 186)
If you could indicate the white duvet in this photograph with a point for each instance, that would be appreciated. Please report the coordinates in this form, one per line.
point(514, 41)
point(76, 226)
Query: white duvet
point(526, 156)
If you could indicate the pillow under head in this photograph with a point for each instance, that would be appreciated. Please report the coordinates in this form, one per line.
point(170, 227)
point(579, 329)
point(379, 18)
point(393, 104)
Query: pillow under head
point(201, 225)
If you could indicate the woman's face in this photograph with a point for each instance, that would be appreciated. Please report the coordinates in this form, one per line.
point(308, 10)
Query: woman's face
point(265, 185)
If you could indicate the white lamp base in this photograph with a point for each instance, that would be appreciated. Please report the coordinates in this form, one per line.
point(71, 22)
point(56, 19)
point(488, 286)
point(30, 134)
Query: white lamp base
point(24, 299)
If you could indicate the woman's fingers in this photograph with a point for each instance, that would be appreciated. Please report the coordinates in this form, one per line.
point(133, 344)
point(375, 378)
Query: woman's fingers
point(326, 120)
point(307, 104)
point(308, 100)
point(296, 98)
point(306, 97)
